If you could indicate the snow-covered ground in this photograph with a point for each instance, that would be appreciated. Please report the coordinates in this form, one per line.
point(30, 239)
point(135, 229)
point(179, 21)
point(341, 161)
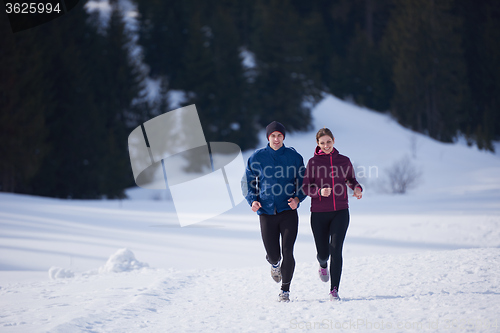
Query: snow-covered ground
point(428, 260)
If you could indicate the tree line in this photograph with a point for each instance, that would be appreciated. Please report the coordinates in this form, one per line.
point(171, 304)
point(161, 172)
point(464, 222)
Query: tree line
point(71, 90)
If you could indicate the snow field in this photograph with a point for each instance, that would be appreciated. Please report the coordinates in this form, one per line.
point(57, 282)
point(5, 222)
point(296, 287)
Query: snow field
point(427, 261)
point(430, 291)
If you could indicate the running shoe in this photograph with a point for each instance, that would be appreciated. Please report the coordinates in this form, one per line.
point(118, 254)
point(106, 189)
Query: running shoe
point(276, 272)
point(334, 295)
point(284, 296)
point(324, 275)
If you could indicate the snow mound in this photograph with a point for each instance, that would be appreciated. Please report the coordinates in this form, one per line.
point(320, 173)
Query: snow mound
point(60, 273)
point(122, 261)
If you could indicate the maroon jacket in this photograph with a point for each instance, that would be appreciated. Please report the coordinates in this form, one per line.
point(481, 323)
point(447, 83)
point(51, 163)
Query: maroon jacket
point(329, 170)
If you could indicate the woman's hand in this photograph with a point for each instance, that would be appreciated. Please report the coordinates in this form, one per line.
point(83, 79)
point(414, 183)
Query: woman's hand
point(325, 192)
point(357, 193)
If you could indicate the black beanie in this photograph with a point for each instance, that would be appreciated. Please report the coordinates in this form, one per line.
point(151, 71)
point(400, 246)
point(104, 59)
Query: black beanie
point(275, 126)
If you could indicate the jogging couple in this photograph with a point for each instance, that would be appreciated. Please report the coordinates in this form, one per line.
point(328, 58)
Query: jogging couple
point(277, 181)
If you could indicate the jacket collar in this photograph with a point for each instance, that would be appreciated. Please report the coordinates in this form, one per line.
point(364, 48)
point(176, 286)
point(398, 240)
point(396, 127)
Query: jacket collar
point(277, 152)
point(319, 152)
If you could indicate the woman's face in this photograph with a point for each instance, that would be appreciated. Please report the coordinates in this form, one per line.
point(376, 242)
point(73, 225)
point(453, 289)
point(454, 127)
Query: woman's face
point(325, 143)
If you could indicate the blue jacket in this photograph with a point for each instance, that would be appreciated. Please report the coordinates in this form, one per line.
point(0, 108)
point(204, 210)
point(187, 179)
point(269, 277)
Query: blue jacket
point(273, 177)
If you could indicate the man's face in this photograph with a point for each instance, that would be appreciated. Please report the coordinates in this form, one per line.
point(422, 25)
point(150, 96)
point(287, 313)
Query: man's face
point(276, 140)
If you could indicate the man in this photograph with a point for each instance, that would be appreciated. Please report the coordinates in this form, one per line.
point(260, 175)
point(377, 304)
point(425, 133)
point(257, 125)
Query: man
point(274, 177)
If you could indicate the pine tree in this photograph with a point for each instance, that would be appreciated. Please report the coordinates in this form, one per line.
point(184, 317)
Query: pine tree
point(429, 68)
point(214, 76)
point(69, 170)
point(481, 33)
point(368, 72)
point(24, 101)
point(163, 31)
point(286, 91)
point(117, 81)
point(92, 86)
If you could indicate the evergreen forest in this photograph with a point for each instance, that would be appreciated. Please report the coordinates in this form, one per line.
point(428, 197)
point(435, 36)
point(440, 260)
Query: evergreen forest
point(72, 90)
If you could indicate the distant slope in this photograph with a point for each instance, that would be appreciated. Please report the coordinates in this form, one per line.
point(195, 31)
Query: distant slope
point(374, 141)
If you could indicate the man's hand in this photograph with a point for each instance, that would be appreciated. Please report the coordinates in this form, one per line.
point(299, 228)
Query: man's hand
point(293, 202)
point(256, 206)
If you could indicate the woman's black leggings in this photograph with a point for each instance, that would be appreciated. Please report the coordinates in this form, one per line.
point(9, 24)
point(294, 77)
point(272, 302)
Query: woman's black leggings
point(285, 224)
point(329, 229)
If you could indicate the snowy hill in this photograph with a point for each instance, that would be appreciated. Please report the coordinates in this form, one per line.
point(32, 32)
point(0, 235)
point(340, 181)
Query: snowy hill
point(424, 261)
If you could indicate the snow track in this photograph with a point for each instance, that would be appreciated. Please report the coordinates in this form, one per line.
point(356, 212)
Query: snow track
point(430, 291)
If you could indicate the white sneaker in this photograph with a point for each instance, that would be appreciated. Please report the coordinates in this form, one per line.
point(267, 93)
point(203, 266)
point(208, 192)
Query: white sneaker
point(334, 295)
point(284, 296)
point(276, 273)
point(324, 275)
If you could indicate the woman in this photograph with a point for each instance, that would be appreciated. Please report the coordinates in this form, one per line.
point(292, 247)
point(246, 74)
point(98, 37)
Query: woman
point(327, 176)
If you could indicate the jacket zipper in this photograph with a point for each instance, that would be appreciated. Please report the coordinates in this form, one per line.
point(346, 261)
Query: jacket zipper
point(333, 184)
